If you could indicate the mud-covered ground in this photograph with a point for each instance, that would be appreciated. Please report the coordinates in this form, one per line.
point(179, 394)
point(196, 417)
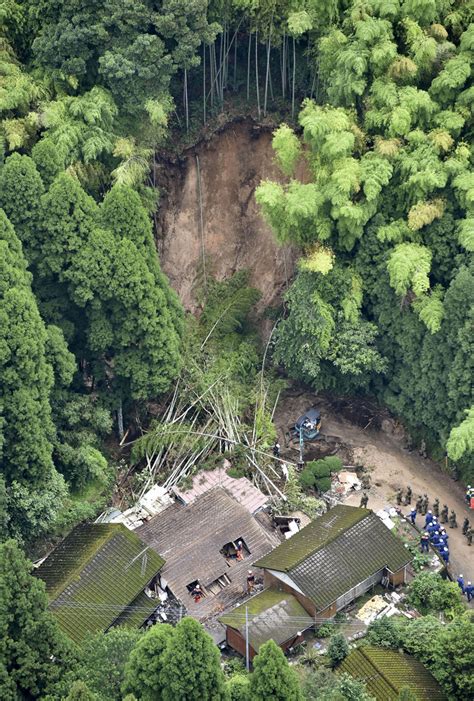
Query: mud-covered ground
point(369, 437)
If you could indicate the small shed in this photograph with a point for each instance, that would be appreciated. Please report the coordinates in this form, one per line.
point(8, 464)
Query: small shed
point(272, 615)
point(96, 577)
point(335, 559)
point(386, 672)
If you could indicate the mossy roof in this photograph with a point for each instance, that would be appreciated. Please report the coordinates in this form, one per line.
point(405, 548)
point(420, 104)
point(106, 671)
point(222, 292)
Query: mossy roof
point(336, 552)
point(273, 615)
point(316, 535)
point(386, 672)
point(94, 574)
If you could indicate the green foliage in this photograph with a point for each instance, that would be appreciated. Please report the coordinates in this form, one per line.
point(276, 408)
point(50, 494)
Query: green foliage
point(384, 632)
point(26, 377)
point(317, 473)
point(238, 688)
point(103, 660)
point(31, 643)
point(272, 676)
point(338, 649)
point(324, 685)
point(190, 665)
point(461, 438)
point(21, 189)
point(430, 593)
point(145, 668)
point(81, 692)
point(287, 147)
point(409, 266)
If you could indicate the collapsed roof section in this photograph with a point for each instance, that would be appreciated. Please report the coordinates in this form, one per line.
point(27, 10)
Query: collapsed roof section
point(241, 489)
point(191, 539)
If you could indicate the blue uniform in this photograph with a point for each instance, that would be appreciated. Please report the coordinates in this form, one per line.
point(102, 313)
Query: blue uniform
point(432, 527)
point(413, 516)
point(460, 581)
point(441, 545)
point(425, 544)
point(445, 555)
point(435, 539)
point(428, 519)
point(445, 536)
point(469, 591)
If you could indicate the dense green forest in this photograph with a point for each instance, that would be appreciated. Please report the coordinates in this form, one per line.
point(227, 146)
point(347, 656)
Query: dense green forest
point(373, 100)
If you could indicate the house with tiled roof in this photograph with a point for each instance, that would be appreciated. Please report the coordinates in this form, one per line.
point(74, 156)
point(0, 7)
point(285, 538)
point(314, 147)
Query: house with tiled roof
point(96, 579)
point(335, 559)
point(386, 672)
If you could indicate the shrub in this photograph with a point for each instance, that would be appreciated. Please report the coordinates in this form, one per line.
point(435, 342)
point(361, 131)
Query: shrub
point(323, 484)
point(338, 649)
point(384, 632)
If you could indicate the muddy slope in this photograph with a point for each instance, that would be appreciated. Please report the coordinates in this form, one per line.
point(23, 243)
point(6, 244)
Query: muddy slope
point(232, 233)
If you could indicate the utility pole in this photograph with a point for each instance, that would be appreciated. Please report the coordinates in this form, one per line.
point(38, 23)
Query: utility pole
point(247, 661)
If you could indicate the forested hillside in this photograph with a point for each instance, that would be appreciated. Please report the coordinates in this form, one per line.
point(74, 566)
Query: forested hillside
point(371, 106)
point(382, 302)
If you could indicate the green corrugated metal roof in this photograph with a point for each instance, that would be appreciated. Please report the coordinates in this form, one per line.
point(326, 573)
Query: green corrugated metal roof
point(273, 615)
point(316, 535)
point(94, 574)
point(386, 672)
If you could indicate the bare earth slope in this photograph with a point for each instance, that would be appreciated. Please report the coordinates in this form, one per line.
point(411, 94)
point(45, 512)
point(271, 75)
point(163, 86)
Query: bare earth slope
point(233, 234)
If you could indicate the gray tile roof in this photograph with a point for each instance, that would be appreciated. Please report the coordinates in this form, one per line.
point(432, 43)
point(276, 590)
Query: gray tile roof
point(95, 574)
point(356, 554)
point(273, 615)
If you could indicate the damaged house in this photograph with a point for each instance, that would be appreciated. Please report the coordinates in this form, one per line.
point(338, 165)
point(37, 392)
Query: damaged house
point(325, 566)
point(100, 576)
point(210, 540)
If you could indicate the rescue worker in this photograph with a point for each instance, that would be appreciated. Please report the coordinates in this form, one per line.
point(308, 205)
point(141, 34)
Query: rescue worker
point(366, 481)
point(276, 449)
point(250, 581)
point(435, 538)
point(240, 551)
point(465, 526)
point(441, 544)
point(469, 494)
point(399, 497)
point(425, 543)
point(436, 507)
point(452, 519)
point(445, 555)
point(419, 504)
point(469, 591)
point(197, 594)
point(364, 500)
point(469, 535)
point(444, 513)
point(425, 503)
point(413, 513)
point(431, 528)
point(408, 495)
point(428, 518)
point(444, 535)
point(460, 581)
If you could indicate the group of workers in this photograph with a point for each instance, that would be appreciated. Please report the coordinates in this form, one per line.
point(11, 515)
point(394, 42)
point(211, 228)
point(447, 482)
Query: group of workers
point(445, 515)
point(433, 534)
point(466, 588)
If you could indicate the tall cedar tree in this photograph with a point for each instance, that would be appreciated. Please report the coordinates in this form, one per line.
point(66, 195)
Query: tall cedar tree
point(135, 319)
point(191, 666)
point(272, 676)
point(26, 378)
point(32, 650)
point(21, 189)
point(144, 669)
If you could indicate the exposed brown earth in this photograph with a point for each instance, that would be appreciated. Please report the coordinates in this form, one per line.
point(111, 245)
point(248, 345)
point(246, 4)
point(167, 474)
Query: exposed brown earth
point(232, 235)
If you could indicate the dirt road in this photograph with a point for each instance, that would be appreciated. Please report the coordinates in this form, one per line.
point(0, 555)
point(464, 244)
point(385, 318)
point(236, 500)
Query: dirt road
point(391, 466)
